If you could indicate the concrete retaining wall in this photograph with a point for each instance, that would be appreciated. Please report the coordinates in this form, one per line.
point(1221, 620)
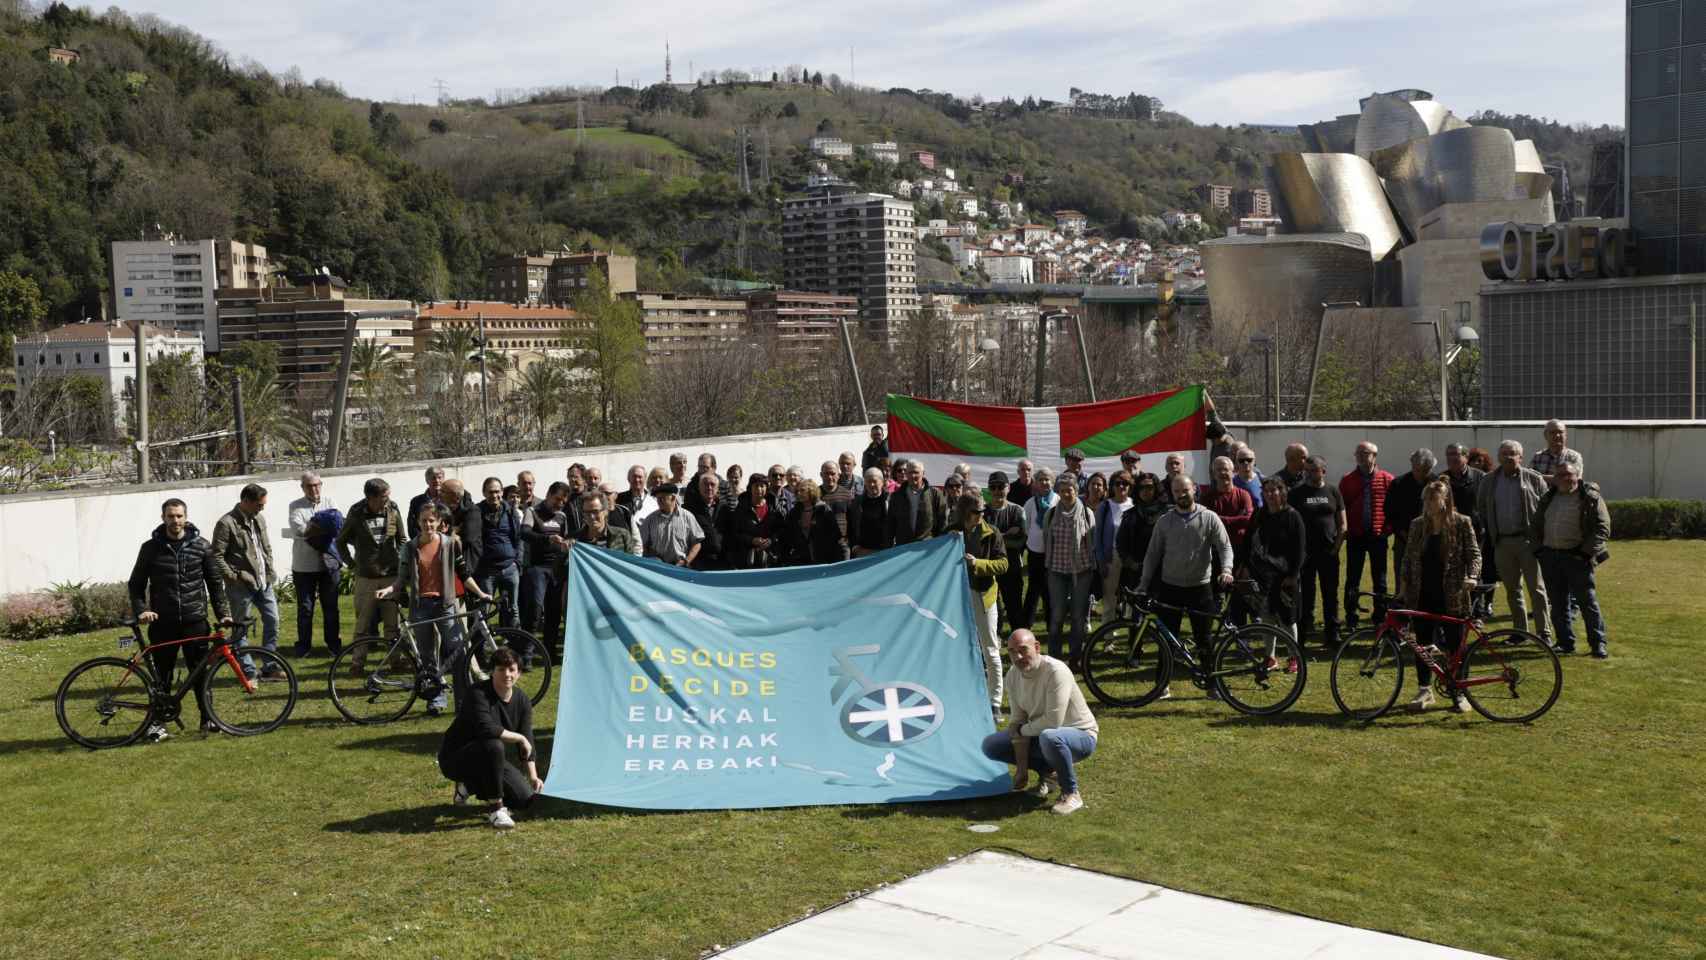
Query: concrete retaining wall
point(93, 534)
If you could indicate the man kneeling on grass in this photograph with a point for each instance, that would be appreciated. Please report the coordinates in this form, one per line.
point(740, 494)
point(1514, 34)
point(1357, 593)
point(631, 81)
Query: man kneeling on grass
point(494, 713)
point(1050, 728)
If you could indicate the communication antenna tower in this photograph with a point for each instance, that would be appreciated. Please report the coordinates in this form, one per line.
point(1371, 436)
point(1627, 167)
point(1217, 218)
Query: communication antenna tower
point(667, 78)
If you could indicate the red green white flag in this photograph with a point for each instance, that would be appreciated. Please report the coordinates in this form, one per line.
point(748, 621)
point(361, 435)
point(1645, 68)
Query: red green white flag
point(941, 433)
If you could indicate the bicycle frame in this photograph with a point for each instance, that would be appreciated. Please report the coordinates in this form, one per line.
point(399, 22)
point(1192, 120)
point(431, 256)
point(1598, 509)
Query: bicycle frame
point(1398, 618)
point(221, 647)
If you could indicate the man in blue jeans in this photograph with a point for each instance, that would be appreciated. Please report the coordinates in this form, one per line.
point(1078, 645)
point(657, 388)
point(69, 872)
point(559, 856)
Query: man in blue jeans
point(1050, 728)
point(1569, 531)
point(242, 553)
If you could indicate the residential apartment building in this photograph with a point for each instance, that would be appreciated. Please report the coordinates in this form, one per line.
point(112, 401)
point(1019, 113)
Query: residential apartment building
point(1253, 202)
point(1009, 268)
point(522, 278)
point(675, 326)
point(170, 283)
point(856, 245)
point(523, 333)
point(566, 277)
point(831, 147)
point(105, 351)
point(923, 158)
point(1072, 223)
point(307, 322)
point(887, 151)
point(801, 322)
point(1214, 196)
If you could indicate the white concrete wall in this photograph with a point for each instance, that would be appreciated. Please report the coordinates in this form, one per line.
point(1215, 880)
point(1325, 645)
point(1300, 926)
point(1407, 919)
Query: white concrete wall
point(1627, 458)
point(94, 534)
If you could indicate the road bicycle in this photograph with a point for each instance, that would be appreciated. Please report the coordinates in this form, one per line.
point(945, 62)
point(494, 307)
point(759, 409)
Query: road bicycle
point(1257, 668)
point(376, 679)
point(113, 701)
point(1510, 676)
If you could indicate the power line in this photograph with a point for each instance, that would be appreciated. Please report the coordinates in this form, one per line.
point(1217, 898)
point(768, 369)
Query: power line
point(443, 89)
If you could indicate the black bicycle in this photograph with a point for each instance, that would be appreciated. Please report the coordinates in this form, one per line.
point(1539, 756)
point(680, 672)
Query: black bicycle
point(376, 679)
point(1257, 668)
point(113, 701)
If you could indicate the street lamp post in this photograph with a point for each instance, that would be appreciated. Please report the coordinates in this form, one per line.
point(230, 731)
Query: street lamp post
point(985, 349)
point(1315, 362)
point(1270, 372)
point(1465, 336)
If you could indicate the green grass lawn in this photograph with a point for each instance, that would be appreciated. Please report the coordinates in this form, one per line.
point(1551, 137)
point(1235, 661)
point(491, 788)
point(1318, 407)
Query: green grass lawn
point(1575, 837)
point(619, 137)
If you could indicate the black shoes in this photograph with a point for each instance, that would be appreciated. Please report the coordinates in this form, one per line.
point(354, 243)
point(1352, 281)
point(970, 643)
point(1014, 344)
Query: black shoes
point(1599, 652)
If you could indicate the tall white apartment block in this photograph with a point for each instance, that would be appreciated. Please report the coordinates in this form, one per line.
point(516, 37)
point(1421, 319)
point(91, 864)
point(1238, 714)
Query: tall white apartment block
point(171, 283)
point(860, 245)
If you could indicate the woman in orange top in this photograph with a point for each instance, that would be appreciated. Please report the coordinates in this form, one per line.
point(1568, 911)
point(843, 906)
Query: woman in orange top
point(433, 567)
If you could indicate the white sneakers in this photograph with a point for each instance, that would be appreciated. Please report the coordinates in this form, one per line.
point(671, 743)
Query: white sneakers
point(157, 733)
point(460, 796)
point(1041, 789)
point(1460, 704)
point(501, 820)
point(1423, 700)
point(1070, 803)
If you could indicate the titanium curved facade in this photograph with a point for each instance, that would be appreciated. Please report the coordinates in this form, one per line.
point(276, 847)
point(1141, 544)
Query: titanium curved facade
point(1333, 193)
point(1467, 165)
point(1388, 121)
point(1338, 135)
point(1257, 279)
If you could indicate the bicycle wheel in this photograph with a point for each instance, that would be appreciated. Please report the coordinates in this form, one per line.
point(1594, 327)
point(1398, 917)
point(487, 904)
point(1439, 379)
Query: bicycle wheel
point(105, 702)
point(1126, 663)
point(534, 656)
point(1368, 672)
point(243, 707)
point(1511, 676)
point(1259, 669)
point(373, 680)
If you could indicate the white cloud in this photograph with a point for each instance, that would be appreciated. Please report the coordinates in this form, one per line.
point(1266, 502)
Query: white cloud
point(1308, 59)
point(1277, 96)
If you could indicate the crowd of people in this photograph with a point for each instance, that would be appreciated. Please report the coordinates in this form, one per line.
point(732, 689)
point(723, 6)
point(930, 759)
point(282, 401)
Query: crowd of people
point(1035, 541)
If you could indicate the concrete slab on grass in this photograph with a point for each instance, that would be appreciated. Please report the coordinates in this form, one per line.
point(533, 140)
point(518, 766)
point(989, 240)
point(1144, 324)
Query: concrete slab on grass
point(969, 908)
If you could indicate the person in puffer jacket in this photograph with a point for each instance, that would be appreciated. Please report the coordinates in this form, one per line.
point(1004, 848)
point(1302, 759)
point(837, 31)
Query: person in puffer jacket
point(172, 587)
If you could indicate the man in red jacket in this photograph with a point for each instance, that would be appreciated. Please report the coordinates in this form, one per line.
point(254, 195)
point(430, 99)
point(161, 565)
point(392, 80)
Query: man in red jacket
point(1366, 529)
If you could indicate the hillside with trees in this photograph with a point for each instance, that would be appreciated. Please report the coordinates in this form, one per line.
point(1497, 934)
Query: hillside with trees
point(156, 128)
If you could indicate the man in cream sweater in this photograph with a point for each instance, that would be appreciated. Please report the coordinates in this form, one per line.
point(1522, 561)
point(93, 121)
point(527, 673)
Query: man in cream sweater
point(1050, 728)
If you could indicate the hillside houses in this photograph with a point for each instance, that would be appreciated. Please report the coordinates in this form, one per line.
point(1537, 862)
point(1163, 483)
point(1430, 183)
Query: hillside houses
point(1034, 253)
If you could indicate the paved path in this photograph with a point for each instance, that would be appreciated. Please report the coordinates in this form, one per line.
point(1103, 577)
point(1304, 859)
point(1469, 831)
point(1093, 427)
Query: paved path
point(996, 906)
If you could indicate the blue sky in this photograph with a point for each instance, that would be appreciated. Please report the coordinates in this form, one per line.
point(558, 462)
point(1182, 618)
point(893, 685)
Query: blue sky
point(1225, 61)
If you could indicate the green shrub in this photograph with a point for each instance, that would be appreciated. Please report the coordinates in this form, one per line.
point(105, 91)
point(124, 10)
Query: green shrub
point(1651, 519)
point(93, 606)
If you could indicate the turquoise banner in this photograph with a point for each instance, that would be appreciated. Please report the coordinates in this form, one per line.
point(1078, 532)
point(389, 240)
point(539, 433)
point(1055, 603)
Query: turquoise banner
point(856, 682)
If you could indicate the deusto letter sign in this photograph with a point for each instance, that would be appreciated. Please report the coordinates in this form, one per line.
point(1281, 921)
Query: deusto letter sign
point(857, 682)
point(1554, 251)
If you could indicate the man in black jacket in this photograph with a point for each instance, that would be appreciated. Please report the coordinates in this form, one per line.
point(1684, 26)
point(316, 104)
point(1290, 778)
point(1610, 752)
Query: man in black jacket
point(171, 588)
point(1404, 504)
point(877, 450)
point(494, 553)
point(547, 531)
point(708, 510)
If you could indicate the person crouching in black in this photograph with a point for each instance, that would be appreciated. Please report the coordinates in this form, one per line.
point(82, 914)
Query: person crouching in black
point(495, 712)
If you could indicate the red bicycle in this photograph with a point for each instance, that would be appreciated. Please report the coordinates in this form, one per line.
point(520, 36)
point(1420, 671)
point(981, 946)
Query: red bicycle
point(112, 701)
point(1511, 676)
